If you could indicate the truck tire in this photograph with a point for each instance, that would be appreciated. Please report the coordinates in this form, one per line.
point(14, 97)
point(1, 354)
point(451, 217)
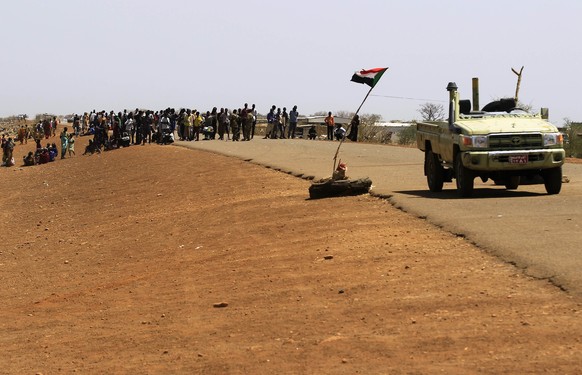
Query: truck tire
point(512, 182)
point(435, 173)
point(465, 178)
point(553, 180)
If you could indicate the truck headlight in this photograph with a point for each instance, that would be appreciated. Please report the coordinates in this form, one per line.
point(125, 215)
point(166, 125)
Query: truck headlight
point(553, 139)
point(476, 141)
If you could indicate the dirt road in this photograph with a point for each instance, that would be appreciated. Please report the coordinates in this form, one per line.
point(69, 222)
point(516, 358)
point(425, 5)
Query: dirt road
point(163, 260)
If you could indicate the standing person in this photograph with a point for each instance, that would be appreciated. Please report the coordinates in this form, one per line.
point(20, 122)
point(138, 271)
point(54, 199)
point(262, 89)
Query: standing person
point(27, 134)
point(248, 126)
point(222, 117)
point(353, 136)
point(284, 122)
point(64, 142)
point(254, 111)
point(54, 124)
point(293, 115)
point(278, 133)
point(270, 122)
point(146, 127)
point(85, 126)
point(7, 152)
point(22, 134)
point(76, 124)
point(130, 126)
point(186, 125)
point(330, 122)
point(234, 125)
point(198, 120)
point(117, 129)
point(46, 127)
point(180, 121)
point(163, 127)
point(71, 144)
point(137, 127)
point(214, 120)
point(37, 139)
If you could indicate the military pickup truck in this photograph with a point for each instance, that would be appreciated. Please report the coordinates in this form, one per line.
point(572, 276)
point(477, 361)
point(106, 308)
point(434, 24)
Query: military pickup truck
point(499, 142)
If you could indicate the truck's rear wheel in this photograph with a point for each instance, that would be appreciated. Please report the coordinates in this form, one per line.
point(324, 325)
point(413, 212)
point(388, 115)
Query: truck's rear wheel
point(553, 180)
point(512, 182)
point(465, 178)
point(435, 173)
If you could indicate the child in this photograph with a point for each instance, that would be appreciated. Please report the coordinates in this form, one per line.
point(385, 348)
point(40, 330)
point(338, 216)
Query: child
point(71, 144)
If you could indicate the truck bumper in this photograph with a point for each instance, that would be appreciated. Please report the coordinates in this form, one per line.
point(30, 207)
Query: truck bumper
point(513, 160)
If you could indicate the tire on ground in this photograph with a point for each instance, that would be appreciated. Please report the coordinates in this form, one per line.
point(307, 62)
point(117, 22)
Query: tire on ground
point(464, 177)
point(512, 182)
point(435, 173)
point(553, 180)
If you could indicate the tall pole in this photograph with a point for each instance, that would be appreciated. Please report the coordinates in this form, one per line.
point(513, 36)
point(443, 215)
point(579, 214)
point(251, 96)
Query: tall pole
point(347, 130)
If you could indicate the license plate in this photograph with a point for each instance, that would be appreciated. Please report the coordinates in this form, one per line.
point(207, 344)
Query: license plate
point(518, 159)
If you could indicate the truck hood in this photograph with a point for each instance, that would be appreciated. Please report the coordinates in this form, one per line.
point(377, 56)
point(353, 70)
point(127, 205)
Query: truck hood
point(505, 124)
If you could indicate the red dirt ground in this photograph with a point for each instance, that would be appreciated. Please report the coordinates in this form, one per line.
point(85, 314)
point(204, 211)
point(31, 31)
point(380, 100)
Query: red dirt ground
point(113, 263)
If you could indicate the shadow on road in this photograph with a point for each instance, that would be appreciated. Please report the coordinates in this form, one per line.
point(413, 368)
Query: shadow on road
point(479, 193)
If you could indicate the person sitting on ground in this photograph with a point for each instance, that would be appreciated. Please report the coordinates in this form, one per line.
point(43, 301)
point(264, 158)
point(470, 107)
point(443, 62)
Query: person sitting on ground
point(312, 134)
point(44, 156)
point(28, 159)
point(339, 132)
point(91, 148)
point(52, 150)
point(208, 132)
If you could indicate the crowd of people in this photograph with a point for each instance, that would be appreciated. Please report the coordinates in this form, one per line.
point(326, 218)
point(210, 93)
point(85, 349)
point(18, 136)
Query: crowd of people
point(110, 130)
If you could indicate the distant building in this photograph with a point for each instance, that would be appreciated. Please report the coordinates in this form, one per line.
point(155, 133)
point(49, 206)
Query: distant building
point(394, 127)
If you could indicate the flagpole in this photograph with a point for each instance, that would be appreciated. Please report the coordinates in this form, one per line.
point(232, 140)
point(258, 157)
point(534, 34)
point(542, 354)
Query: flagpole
point(344, 137)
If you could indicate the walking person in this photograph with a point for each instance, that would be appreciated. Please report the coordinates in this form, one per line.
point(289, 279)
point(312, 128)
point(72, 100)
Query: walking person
point(64, 142)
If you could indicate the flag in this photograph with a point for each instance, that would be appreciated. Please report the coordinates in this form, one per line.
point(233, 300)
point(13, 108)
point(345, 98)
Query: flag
point(370, 77)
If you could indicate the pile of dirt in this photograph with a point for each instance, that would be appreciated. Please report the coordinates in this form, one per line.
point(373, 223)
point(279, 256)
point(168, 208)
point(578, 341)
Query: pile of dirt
point(160, 259)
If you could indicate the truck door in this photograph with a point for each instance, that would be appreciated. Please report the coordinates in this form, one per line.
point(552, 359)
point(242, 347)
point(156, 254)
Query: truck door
point(446, 141)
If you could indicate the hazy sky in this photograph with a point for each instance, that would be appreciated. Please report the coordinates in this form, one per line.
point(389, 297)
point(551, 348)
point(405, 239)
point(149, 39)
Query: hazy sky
point(66, 56)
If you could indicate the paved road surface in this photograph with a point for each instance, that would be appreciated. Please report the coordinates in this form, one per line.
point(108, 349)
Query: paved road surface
point(538, 232)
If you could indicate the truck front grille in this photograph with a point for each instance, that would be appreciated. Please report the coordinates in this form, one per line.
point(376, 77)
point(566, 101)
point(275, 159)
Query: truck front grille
point(515, 141)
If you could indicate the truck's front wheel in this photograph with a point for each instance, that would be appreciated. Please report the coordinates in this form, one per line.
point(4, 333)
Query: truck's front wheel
point(512, 182)
point(553, 180)
point(435, 173)
point(465, 178)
